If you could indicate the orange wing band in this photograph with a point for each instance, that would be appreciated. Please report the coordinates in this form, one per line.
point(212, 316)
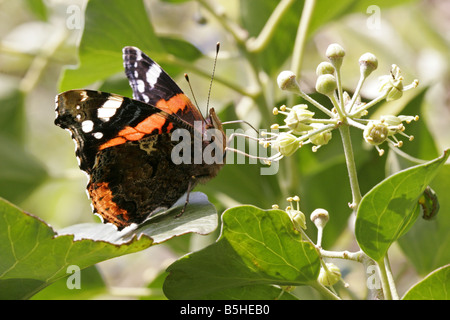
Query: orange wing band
point(144, 127)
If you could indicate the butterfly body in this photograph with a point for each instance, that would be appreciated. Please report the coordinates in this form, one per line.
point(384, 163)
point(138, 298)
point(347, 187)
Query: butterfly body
point(127, 148)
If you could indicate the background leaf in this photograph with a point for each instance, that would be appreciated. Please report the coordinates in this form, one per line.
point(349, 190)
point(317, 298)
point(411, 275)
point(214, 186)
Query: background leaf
point(107, 30)
point(12, 116)
point(435, 286)
point(389, 210)
point(20, 172)
point(427, 243)
point(257, 247)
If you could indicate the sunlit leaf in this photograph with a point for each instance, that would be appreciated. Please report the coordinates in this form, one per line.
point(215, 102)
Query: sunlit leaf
point(32, 256)
point(390, 209)
point(435, 286)
point(256, 248)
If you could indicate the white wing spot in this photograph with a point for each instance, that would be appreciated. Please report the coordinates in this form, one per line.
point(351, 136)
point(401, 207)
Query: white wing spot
point(109, 108)
point(87, 126)
point(140, 85)
point(153, 74)
point(98, 135)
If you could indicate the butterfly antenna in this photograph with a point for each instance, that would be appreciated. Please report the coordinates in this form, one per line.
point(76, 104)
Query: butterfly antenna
point(212, 76)
point(192, 91)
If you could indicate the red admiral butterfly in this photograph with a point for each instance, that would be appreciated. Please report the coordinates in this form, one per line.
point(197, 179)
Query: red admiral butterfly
point(125, 145)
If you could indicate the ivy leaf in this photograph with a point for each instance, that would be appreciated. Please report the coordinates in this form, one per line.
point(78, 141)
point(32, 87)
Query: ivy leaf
point(91, 286)
point(435, 286)
point(256, 248)
point(427, 243)
point(390, 209)
point(32, 255)
point(109, 26)
point(200, 217)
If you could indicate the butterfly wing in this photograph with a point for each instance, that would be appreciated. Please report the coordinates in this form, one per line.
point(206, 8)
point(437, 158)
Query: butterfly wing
point(98, 120)
point(125, 145)
point(152, 85)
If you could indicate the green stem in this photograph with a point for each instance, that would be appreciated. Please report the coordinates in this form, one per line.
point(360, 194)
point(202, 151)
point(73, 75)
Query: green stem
point(300, 40)
point(323, 291)
point(340, 104)
point(314, 132)
point(368, 105)
point(41, 60)
point(315, 103)
point(356, 94)
point(189, 66)
point(384, 280)
point(336, 106)
point(239, 34)
point(351, 165)
point(390, 278)
point(259, 43)
point(354, 256)
point(299, 48)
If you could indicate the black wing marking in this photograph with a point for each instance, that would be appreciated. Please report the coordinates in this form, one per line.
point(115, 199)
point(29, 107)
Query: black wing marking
point(150, 83)
point(95, 117)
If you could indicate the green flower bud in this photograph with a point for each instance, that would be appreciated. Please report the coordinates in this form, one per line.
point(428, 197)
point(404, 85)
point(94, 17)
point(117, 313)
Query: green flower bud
point(298, 218)
point(367, 63)
point(326, 84)
point(286, 81)
point(330, 275)
point(298, 119)
point(319, 217)
point(395, 93)
point(376, 132)
point(286, 143)
point(336, 54)
point(325, 68)
point(320, 138)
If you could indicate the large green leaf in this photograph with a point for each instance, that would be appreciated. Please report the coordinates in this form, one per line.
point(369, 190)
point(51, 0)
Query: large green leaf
point(109, 26)
point(436, 286)
point(256, 248)
point(32, 256)
point(25, 243)
point(427, 243)
point(390, 209)
point(90, 286)
point(200, 217)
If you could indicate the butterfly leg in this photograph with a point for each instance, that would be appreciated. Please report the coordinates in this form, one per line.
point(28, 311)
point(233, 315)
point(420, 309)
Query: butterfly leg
point(190, 187)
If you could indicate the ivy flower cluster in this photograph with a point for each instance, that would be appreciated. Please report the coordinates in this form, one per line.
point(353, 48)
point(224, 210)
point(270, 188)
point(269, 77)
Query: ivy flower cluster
point(303, 128)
